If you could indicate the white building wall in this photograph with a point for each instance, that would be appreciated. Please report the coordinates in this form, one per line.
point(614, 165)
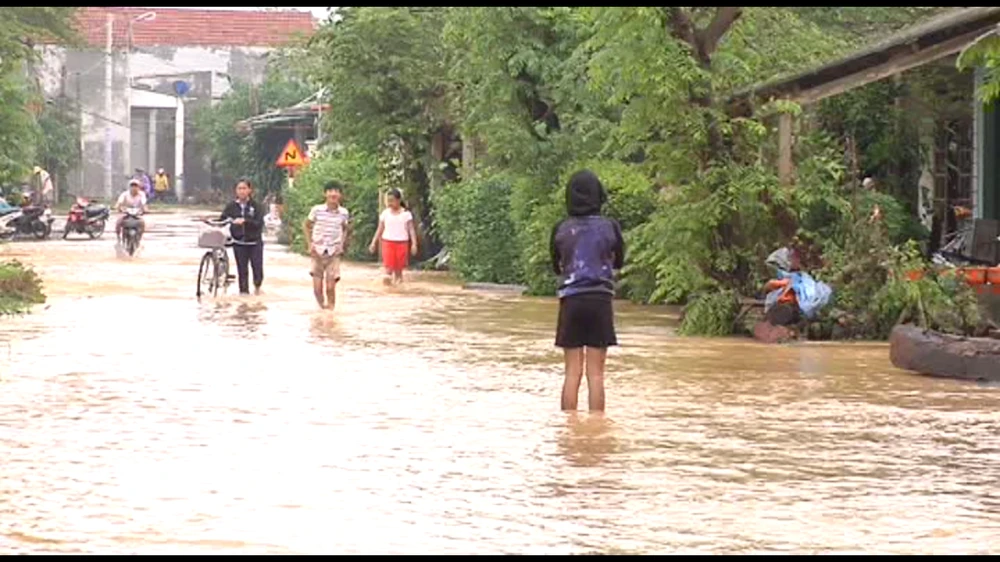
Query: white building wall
point(208, 70)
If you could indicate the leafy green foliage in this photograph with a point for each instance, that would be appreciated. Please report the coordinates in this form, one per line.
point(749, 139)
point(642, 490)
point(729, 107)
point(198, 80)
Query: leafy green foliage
point(474, 219)
point(886, 138)
point(19, 133)
point(384, 69)
point(635, 94)
point(860, 25)
point(936, 301)
point(711, 314)
point(358, 171)
point(236, 153)
point(20, 288)
point(711, 234)
point(22, 27)
point(985, 54)
point(631, 200)
point(874, 290)
point(58, 148)
point(522, 88)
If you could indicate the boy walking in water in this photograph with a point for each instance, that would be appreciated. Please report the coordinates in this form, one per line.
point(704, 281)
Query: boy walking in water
point(327, 232)
point(586, 249)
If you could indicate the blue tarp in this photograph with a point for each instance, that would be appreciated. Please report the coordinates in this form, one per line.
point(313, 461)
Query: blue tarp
point(812, 295)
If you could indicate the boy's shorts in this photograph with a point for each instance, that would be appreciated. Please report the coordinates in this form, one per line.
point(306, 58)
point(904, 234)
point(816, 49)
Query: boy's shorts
point(326, 265)
point(586, 320)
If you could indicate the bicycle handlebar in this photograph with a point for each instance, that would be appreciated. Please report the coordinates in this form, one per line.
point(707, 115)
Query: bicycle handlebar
point(217, 222)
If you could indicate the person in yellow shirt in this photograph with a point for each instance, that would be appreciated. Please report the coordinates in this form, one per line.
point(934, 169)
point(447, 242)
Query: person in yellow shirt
point(161, 184)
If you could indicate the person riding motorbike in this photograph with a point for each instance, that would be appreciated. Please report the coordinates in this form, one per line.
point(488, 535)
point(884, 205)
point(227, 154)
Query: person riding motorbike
point(136, 198)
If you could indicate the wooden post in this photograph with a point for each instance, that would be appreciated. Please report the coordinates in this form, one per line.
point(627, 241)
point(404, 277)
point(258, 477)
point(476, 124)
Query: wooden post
point(786, 167)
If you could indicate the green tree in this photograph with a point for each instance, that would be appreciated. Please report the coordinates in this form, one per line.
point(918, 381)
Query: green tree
point(384, 70)
point(638, 94)
point(861, 25)
point(20, 29)
point(18, 130)
point(985, 55)
point(58, 149)
point(237, 152)
point(354, 168)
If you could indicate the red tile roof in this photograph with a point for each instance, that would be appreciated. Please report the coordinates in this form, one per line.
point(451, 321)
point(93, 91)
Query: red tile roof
point(195, 28)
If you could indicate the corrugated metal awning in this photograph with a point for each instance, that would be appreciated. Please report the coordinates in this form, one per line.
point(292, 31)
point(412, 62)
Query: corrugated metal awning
point(940, 36)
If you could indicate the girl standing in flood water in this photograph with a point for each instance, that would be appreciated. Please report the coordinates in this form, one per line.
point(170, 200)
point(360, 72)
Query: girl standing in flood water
point(586, 249)
point(398, 236)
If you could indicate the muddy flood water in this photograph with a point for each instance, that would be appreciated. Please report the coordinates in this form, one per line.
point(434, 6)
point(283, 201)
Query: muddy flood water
point(134, 419)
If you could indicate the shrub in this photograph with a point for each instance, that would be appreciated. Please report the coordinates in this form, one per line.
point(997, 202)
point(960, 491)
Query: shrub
point(711, 314)
point(631, 195)
point(473, 219)
point(20, 288)
point(879, 295)
point(712, 234)
point(358, 171)
point(631, 200)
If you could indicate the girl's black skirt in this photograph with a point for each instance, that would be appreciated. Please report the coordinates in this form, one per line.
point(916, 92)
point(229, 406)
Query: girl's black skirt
point(586, 320)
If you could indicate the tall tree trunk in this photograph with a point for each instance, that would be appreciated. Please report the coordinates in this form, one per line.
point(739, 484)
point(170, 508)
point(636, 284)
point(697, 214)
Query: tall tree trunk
point(703, 43)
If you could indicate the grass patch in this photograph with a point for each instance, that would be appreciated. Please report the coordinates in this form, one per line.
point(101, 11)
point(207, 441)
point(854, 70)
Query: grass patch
point(20, 288)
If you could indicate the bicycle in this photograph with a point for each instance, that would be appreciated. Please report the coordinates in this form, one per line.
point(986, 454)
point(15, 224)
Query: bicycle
point(213, 272)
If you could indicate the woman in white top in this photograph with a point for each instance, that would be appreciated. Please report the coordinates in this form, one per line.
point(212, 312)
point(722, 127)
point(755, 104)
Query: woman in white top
point(399, 238)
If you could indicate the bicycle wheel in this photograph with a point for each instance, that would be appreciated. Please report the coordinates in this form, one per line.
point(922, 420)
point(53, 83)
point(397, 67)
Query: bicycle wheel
point(223, 271)
point(207, 278)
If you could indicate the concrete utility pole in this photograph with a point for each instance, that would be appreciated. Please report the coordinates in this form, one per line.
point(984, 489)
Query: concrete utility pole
point(179, 151)
point(127, 155)
point(109, 68)
point(81, 179)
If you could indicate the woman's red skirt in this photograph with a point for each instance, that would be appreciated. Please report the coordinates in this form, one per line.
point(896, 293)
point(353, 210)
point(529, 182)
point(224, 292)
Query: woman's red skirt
point(395, 255)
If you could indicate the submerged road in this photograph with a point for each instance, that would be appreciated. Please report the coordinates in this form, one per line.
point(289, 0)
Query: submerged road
point(135, 419)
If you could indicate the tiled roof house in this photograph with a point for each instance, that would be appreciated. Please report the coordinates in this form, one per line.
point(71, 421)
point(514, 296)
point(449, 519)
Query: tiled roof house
point(194, 28)
point(130, 106)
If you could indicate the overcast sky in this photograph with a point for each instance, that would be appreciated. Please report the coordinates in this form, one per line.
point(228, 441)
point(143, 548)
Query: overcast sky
point(317, 12)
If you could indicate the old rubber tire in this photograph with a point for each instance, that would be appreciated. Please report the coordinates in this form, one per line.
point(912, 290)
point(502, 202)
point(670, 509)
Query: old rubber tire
point(932, 353)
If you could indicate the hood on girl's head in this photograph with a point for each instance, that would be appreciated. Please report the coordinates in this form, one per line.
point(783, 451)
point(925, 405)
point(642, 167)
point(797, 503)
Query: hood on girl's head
point(584, 194)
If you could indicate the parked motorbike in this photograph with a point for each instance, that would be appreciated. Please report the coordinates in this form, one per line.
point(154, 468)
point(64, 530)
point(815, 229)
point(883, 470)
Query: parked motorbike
point(8, 221)
point(87, 218)
point(130, 230)
point(28, 220)
point(35, 221)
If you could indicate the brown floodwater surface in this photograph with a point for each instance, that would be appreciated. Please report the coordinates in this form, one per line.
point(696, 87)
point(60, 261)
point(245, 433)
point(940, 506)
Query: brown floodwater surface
point(425, 419)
